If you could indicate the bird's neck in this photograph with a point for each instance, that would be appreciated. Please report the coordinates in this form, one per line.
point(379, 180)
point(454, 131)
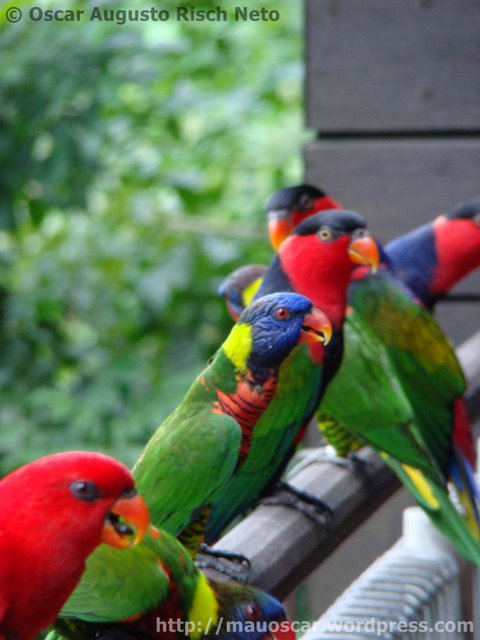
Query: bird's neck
point(321, 277)
point(246, 403)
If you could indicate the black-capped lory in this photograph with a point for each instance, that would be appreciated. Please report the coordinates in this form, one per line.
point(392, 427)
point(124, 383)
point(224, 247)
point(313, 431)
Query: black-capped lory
point(400, 373)
point(430, 259)
point(433, 258)
point(404, 387)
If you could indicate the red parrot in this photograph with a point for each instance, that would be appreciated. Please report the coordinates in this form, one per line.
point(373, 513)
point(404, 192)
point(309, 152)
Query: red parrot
point(55, 512)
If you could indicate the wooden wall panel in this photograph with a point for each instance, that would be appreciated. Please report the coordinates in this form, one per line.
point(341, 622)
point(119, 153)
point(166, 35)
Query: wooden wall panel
point(400, 184)
point(383, 65)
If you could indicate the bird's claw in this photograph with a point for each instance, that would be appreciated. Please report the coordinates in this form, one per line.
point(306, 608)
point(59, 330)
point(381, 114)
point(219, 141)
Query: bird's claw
point(308, 504)
point(234, 565)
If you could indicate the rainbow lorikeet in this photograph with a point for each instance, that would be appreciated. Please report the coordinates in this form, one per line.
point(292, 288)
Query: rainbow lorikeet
point(209, 434)
point(430, 260)
point(157, 591)
point(319, 258)
point(198, 448)
point(55, 512)
point(401, 375)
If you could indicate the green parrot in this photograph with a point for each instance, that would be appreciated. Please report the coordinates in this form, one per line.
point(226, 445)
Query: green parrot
point(327, 249)
point(157, 591)
point(207, 439)
point(405, 398)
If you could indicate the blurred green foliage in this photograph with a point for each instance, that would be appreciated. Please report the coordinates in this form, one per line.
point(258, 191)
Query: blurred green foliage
point(134, 163)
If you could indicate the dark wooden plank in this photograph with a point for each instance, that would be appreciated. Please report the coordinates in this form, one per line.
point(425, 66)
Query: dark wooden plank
point(284, 546)
point(398, 185)
point(379, 66)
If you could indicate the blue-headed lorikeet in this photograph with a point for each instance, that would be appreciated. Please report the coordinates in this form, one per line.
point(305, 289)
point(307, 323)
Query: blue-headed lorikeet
point(208, 436)
point(323, 252)
point(55, 512)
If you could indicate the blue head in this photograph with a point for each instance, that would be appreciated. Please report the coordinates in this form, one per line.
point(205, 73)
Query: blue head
point(270, 327)
point(250, 614)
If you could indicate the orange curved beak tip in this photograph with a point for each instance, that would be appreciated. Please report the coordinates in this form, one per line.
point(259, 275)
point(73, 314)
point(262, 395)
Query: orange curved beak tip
point(364, 251)
point(279, 228)
point(316, 327)
point(127, 522)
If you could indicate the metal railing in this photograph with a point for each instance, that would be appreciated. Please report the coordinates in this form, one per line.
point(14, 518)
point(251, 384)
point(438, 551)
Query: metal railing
point(412, 591)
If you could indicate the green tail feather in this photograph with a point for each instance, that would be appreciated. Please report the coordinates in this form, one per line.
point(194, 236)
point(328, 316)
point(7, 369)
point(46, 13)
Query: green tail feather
point(445, 516)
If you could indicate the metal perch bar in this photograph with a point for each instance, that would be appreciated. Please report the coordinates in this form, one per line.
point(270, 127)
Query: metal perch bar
point(284, 546)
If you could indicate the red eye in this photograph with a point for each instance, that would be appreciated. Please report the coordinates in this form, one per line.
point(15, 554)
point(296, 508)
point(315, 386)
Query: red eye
point(252, 612)
point(282, 313)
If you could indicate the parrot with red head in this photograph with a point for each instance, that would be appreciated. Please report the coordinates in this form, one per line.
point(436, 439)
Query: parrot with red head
point(401, 375)
point(55, 512)
point(430, 260)
point(433, 258)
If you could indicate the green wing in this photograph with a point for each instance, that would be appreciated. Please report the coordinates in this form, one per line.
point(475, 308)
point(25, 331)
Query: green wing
point(423, 359)
point(191, 455)
point(441, 511)
point(119, 583)
point(296, 398)
point(193, 452)
point(367, 398)
point(396, 389)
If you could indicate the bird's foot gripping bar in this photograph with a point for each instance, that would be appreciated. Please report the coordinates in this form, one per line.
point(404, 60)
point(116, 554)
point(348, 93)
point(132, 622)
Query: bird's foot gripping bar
point(312, 507)
point(234, 565)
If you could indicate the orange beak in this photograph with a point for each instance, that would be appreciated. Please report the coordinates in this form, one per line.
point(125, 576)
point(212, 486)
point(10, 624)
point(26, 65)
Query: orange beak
point(280, 227)
point(126, 522)
point(364, 250)
point(316, 327)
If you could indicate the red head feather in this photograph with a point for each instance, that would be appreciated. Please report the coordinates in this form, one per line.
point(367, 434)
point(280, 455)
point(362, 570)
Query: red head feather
point(457, 243)
point(322, 253)
point(54, 513)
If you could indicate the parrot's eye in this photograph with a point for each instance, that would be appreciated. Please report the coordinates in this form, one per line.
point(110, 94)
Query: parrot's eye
point(85, 490)
point(282, 313)
point(306, 202)
point(252, 612)
point(129, 493)
point(325, 234)
point(476, 219)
